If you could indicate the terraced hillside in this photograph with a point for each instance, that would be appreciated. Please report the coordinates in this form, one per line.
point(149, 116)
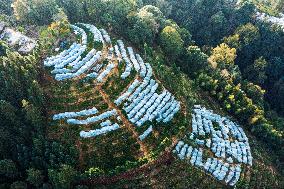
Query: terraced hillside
point(108, 103)
point(141, 94)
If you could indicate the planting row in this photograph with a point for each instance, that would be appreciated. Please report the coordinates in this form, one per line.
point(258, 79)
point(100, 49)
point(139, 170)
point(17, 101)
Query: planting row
point(224, 142)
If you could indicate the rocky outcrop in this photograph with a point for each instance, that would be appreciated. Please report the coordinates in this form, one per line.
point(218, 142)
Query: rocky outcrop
point(16, 40)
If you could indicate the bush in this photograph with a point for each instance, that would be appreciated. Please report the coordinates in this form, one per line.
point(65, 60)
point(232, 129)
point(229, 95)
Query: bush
point(19, 185)
point(243, 108)
point(171, 42)
point(62, 178)
point(95, 172)
point(34, 11)
point(8, 168)
point(35, 177)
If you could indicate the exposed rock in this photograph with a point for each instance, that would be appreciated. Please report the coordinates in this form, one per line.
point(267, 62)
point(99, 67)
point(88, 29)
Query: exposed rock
point(17, 40)
point(2, 26)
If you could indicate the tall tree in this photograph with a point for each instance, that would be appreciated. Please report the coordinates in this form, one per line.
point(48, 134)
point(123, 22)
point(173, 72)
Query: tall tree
point(278, 95)
point(5, 7)
point(35, 11)
point(63, 178)
point(75, 9)
point(223, 56)
point(35, 177)
point(171, 42)
point(280, 6)
point(210, 20)
point(257, 72)
point(145, 24)
point(194, 61)
point(8, 169)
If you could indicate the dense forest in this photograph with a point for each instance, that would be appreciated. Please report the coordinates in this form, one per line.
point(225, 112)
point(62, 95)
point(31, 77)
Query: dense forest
point(216, 53)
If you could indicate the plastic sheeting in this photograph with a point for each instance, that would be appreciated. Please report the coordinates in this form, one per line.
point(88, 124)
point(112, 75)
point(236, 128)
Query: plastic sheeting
point(274, 20)
point(141, 95)
point(117, 53)
point(69, 55)
point(97, 33)
point(227, 142)
point(73, 56)
point(133, 59)
point(105, 72)
point(65, 115)
point(146, 105)
point(106, 36)
point(143, 69)
point(129, 66)
point(125, 95)
point(143, 103)
point(220, 141)
point(97, 132)
point(81, 32)
point(146, 133)
point(81, 70)
point(92, 75)
point(51, 61)
point(230, 173)
point(105, 123)
point(94, 119)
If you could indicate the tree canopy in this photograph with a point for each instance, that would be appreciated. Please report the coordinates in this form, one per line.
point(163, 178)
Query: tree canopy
point(171, 41)
point(217, 53)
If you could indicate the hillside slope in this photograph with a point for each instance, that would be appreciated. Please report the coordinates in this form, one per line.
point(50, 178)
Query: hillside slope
point(126, 146)
point(170, 94)
point(102, 88)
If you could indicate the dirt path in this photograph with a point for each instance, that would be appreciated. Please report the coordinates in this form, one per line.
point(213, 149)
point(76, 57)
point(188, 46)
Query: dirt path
point(81, 158)
point(130, 127)
point(98, 87)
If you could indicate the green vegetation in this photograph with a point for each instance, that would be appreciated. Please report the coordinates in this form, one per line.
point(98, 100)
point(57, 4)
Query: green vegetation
point(208, 52)
point(171, 41)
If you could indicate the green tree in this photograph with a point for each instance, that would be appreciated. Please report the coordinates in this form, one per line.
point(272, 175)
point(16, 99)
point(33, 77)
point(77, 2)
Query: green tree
point(10, 124)
point(248, 34)
point(275, 69)
point(195, 61)
point(81, 187)
point(223, 56)
point(5, 7)
point(244, 14)
point(257, 72)
point(280, 6)
point(62, 178)
point(278, 95)
point(8, 168)
point(19, 185)
point(218, 24)
point(35, 93)
point(164, 6)
point(171, 42)
point(112, 13)
point(210, 20)
point(184, 33)
point(75, 9)
point(254, 92)
point(35, 177)
point(145, 24)
point(95, 172)
point(35, 11)
point(233, 41)
point(7, 112)
point(3, 48)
